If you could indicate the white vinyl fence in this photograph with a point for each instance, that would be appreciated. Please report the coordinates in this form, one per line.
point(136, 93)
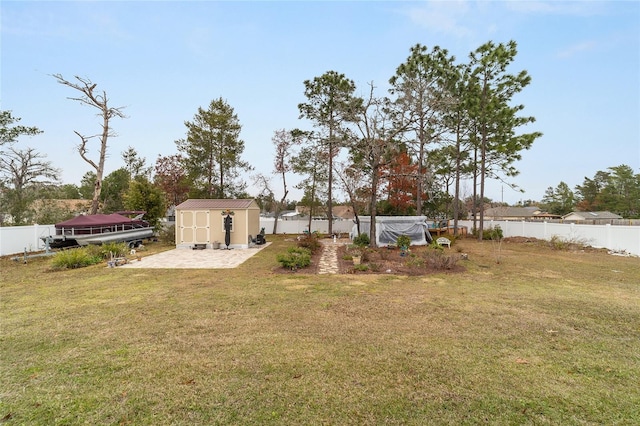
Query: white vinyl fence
point(17, 239)
point(301, 226)
point(612, 237)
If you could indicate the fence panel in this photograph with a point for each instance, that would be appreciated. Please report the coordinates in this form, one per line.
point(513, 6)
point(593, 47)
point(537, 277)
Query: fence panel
point(301, 226)
point(612, 237)
point(17, 239)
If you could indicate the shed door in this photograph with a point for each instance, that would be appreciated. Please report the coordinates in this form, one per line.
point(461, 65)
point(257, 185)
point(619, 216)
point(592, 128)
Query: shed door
point(201, 227)
point(186, 227)
point(194, 228)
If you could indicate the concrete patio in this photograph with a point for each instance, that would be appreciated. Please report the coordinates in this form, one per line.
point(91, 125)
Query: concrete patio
point(195, 259)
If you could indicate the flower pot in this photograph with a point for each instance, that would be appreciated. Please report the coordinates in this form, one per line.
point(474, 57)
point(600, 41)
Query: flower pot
point(356, 260)
point(215, 245)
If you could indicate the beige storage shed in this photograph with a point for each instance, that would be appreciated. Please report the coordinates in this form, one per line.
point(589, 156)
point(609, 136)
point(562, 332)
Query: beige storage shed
point(201, 223)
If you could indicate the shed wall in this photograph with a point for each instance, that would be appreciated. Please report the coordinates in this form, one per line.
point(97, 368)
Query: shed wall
point(207, 226)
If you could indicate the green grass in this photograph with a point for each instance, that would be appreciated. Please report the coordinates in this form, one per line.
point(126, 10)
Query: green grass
point(542, 337)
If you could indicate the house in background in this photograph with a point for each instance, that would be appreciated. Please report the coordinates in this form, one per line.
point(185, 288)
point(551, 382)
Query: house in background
point(201, 222)
point(517, 213)
point(339, 213)
point(603, 217)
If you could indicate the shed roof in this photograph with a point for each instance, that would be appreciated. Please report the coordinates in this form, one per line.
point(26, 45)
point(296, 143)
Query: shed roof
point(216, 204)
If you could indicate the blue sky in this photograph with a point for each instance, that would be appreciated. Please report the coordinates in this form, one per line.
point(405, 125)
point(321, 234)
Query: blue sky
point(163, 60)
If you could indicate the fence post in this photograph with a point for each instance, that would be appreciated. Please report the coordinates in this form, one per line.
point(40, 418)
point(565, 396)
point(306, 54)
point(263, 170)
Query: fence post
point(35, 238)
point(608, 238)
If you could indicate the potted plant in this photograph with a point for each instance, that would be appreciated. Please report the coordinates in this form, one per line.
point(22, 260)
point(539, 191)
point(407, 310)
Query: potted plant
point(215, 245)
point(356, 254)
point(403, 242)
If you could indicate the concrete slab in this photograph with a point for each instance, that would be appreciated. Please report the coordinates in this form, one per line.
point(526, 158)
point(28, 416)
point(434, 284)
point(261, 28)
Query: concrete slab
point(184, 258)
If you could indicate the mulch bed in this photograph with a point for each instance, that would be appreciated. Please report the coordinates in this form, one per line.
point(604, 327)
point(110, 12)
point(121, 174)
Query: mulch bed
point(381, 260)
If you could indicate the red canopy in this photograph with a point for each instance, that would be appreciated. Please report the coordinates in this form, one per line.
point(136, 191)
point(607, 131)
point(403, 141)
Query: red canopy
point(94, 220)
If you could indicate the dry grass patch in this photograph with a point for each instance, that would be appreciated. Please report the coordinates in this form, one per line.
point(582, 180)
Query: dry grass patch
point(544, 337)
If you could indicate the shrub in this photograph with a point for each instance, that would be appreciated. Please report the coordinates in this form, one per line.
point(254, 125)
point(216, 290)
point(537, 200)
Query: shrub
point(403, 241)
point(494, 233)
point(294, 258)
point(434, 245)
point(118, 250)
point(415, 261)
point(75, 258)
point(167, 234)
point(310, 242)
point(362, 240)
point(439, 260)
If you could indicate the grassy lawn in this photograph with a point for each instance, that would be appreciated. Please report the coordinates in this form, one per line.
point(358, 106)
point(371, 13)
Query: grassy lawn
point(542, 337)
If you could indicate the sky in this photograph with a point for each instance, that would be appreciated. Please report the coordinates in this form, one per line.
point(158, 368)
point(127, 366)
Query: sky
point(162, 60)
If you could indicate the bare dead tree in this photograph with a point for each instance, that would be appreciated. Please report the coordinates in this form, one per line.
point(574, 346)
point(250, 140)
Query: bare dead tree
point(23, 171)
point(89, 96)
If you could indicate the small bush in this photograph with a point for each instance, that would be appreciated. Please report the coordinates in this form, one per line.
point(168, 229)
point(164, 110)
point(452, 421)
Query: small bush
point(75, 258)
point(434, 245)
point(294, 258)
point(403, 241)
point(118, 250)
point(361, 267)
point(415, 261)
point(362, 240)
point(439, 260)
point(494, 233)
point(167, 234)
point(310, 242)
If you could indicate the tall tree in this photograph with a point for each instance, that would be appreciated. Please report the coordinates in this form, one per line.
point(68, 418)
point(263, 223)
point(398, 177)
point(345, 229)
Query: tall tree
point(353, 179)
point(10, 132)
point(458, 124)
point(421, 98)
point(312, 163)
point(134, 164)
point(283, 142)
point(559, 200)
point(114, 186)
point(401, 187)
point(329, 99)
point(373, 146)
point(89, 96)
point(22, 173)
point(622, 191)
point(495, 119)
point(171, 177)
point(589, 194)
point(143, 195)
point(266, 196)
point(212, 150)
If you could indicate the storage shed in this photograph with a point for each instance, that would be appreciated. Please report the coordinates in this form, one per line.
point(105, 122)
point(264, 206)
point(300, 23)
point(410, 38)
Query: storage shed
point(201, 223)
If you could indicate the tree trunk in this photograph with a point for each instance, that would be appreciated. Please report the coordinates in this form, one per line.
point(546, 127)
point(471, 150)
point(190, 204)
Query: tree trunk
point(330, 201)
point(372, 208)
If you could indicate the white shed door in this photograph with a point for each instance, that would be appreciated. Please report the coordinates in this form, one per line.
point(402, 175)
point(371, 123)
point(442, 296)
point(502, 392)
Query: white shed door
point(194, 228)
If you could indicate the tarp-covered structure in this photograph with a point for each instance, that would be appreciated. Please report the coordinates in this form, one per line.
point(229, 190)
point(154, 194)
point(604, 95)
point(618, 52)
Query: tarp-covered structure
point(389, 228)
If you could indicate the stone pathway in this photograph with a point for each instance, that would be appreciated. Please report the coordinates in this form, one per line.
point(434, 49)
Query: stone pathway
point(329, 257)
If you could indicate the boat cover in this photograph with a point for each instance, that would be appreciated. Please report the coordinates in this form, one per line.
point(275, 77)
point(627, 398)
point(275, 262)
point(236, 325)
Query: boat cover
point(95, 220)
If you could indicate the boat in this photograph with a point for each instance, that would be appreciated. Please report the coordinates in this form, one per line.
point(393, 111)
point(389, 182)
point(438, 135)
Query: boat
point(101, 228)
